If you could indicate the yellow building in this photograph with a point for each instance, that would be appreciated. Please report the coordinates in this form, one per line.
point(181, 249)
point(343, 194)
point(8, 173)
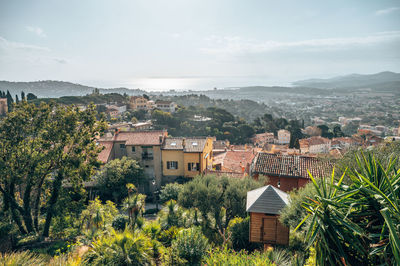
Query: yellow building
point(186, 157)
point(143, 146)
point(138, 102)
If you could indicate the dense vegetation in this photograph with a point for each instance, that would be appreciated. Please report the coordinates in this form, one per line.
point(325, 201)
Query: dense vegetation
point(223, 125)
point(48, 151)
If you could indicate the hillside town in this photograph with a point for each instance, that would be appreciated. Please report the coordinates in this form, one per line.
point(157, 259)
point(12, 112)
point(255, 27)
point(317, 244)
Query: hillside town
point(167, 159)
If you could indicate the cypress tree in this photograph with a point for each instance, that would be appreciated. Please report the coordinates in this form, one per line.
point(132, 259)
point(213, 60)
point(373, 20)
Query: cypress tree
point(16, 98)
point(22, 96)
point(10, 101)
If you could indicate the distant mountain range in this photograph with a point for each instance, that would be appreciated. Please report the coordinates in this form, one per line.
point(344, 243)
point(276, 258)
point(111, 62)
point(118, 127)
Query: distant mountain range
point(353, 81)
point(54, 89)
point(383, 82)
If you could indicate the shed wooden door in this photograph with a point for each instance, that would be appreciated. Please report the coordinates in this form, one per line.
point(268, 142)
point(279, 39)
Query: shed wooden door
point(269, 229)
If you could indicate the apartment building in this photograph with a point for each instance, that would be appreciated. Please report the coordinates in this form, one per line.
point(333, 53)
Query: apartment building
point(186, 157)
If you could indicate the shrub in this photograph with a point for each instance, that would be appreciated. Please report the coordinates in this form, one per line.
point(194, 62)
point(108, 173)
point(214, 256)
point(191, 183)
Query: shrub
point(120, 248)
point(98, 215)
point(115, 175)
point(170, 192)
point(238, 229)
point(120, 222)
point(228, 257)
point(167, 236)
point(22, 258)
point(191, 245)
point(356, 223)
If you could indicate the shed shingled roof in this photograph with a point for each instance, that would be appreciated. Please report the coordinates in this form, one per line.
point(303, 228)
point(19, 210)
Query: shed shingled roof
point(290, 165)
point(268, 199)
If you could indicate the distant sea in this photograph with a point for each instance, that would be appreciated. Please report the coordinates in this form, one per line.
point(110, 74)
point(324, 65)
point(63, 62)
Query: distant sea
point(198, 83)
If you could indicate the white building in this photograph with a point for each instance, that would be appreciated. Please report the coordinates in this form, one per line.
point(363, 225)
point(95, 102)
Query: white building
point(166, 106)
point(283, 136)
point(119, 108)
point(319, 145)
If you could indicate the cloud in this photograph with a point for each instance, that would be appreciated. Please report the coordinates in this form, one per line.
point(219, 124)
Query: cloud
point(36, 30)
point(235, 45)
point(9, 45)
point(386, 11)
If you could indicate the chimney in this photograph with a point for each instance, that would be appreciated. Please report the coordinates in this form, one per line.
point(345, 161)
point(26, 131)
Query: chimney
point(183, 143)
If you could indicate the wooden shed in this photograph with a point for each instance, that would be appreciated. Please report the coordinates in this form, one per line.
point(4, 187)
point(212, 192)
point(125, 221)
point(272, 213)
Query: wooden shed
point(264, 205)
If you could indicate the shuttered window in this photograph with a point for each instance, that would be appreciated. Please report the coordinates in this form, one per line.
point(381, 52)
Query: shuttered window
point(193, 166)
point(172, 165)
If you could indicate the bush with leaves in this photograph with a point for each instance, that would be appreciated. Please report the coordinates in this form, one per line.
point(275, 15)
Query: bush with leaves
point(357, 223)
point(120, 248)
point(190, 245)
point(170, 192)
point(228, 257)
point(168, 235)
point(98, 215)
point(120, 221)
point(175, 215)
point(293, 213)
point(115, 175)
point(238, 230)
point(218, 199)
point(22, 258)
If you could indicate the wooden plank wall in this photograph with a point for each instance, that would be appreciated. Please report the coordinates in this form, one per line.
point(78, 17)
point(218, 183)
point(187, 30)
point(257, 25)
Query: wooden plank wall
point(257, 227)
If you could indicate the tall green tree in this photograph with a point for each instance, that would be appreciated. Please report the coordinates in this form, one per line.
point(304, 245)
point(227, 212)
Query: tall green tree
point(10, 101)
point(115, 175)
point(211, 194)
point(42, 147)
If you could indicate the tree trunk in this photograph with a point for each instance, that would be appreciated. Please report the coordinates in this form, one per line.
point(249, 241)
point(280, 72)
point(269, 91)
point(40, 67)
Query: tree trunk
point(36, 205)
point(52, 202)
point(27, 216)
point(14, 207)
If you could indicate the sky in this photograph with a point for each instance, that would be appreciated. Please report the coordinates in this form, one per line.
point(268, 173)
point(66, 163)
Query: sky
point(196, 44)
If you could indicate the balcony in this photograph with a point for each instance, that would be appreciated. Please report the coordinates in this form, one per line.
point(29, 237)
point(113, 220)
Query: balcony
point(147, 156)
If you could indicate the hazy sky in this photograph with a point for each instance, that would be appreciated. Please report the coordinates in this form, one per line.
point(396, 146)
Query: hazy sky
point(178, 43)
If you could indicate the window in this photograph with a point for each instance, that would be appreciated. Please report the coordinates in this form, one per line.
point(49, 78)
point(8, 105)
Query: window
point(147, 152)
point(193, 166)
point(133, 149)
point(172, 165)
point(122, 146)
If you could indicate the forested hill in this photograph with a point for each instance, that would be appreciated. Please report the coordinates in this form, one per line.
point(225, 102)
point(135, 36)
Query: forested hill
point(54, 89)
point(382, 80)
point(247, 109)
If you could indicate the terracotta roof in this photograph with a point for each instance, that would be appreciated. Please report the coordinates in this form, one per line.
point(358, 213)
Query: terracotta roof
point(318, 141)
point(220, 144)
point(195, 144)
point(290, 165)
point(141, 137)
point(163, 102)
point(235, 160)
point(106, 152)
point(304, 142)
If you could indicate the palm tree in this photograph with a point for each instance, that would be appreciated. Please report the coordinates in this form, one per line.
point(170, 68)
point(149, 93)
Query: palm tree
point(120, 248)
point(355, 224)
point(133, 204)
